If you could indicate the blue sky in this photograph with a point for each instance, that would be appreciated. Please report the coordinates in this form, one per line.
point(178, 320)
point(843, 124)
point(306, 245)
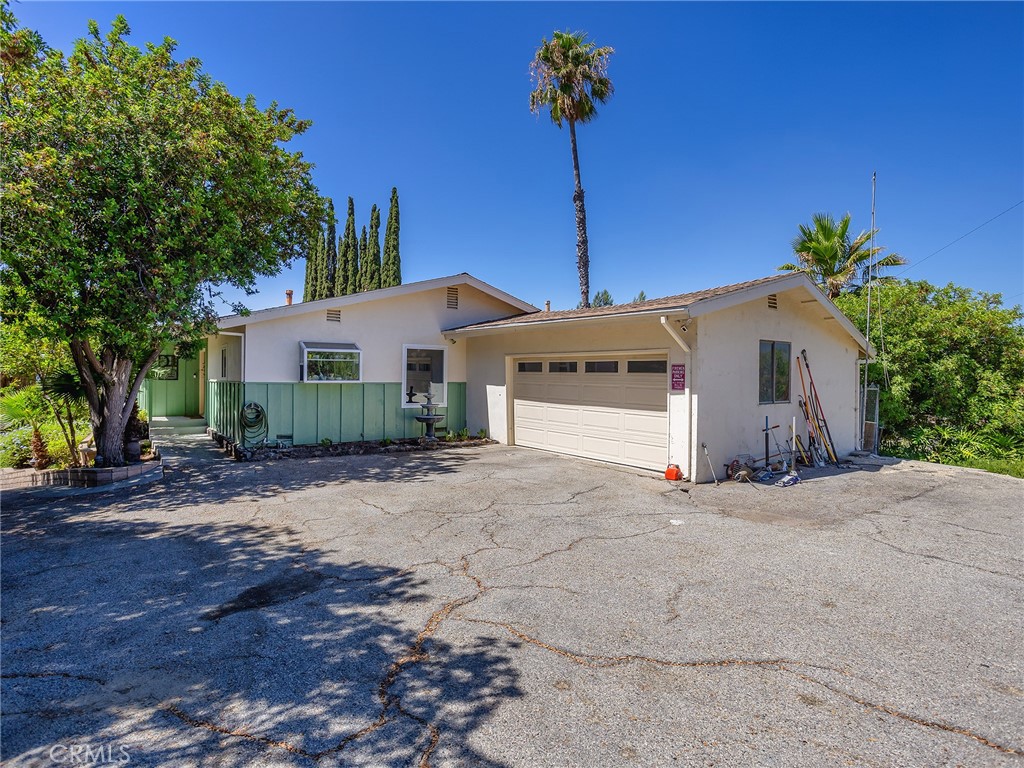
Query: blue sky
point(731, 123)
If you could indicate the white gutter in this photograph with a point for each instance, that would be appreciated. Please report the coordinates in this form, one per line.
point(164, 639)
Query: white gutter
point(690, 453)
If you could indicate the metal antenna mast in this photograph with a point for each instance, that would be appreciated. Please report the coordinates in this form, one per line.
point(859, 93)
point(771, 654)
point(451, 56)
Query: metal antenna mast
point(867, 332)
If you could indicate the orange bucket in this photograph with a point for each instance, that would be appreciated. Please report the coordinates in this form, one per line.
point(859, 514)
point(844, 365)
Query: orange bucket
point(673, 472)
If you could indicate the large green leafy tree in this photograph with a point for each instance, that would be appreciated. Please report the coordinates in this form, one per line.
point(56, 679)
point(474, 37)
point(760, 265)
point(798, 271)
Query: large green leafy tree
point(570, 76)
point(135, 187)
point(948, 358)
point(834, 259)
point(391, 266)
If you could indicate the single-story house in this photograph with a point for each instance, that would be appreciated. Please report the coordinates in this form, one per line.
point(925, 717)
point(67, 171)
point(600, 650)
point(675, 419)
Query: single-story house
point(642, 384)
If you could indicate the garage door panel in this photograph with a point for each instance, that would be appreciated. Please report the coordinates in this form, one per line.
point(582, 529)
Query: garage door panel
point(607, 448)
point(645, 397)
point(653, 424)
point(644, 455)
point(562, 415)
point(529, 411)
point(530, 436)
point(530, 390)
point(562, 392)
point(565, 441)
point(602, 394)
point(601, 419)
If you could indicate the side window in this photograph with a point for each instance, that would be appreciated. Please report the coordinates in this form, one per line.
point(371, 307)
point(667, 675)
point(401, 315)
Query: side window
point(773, 371)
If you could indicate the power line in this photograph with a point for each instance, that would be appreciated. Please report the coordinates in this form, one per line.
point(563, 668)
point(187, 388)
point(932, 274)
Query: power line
point(916, 263)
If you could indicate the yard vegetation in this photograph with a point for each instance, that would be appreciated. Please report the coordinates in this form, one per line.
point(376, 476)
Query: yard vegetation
point(950, 367)
point(135, 186)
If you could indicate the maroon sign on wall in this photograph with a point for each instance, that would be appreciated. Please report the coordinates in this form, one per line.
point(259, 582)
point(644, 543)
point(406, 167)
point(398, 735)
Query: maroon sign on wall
point(678, 378)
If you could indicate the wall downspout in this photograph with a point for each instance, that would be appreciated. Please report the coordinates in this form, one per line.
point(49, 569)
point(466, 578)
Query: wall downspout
point(689, 452)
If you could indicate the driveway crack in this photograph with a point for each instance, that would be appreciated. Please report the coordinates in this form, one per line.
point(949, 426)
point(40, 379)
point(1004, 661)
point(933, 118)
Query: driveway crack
point(600, 661)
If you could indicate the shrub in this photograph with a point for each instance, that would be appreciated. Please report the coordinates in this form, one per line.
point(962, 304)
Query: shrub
point(16, 447)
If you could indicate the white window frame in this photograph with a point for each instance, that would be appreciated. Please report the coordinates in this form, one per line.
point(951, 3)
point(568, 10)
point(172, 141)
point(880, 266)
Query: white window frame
point(443, 402)
point(314, 348)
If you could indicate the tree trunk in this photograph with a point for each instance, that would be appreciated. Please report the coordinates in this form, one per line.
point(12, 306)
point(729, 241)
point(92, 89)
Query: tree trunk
point(111, 398)
point(582, 244)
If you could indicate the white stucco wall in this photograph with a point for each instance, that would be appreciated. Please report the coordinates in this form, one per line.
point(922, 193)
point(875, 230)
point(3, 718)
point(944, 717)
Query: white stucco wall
point(233, 346)
point(728, 416)
point(720, 405)
point(378, 328)
point(488, 362)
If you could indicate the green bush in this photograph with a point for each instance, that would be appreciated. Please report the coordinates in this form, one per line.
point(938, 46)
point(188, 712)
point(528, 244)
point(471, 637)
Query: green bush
point(1012, 467)
point(16, 447)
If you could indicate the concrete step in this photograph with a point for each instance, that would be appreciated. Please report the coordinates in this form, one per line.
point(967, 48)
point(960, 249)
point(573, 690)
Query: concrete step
point(162, 426)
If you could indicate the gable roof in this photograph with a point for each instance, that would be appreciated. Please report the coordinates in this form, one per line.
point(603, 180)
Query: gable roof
point(338, 302)
point(693, 304)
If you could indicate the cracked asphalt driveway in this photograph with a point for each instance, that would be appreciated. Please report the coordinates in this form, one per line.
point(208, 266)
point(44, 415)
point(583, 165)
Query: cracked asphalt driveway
point(504, 607)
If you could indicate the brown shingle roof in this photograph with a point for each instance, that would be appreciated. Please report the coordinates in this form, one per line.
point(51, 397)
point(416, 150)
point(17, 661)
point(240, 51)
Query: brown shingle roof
point(680, 301)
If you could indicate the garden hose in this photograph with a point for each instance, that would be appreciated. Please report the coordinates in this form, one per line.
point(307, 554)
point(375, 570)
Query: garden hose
point(252, 422)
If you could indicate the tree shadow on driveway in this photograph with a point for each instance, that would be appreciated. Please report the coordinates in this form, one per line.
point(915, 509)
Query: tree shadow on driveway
point(228, 643)
point(206, 483)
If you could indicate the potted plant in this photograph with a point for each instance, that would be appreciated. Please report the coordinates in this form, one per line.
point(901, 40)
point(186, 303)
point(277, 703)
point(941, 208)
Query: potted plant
point(134, 431)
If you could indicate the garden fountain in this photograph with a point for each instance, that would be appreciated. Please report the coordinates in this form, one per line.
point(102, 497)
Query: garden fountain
point(430, 417)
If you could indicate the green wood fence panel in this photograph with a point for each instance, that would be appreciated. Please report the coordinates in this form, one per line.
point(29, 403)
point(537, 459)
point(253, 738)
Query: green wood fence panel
point(223, 401)
point(351, 412)
point(394, 418)
point(304, 413)
point(456, 406)
point(280, 405)
point(373, 411)
point(311, 412)
point(328, 413)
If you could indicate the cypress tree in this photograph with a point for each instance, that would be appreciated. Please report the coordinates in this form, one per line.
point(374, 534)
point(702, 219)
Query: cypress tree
point(307, 288)
point(331, 252)
point(363, 262)
point(321, 289)
point(391, 268)
point(347, 247)
point(341, 273)
point(371, 257)
point(352, 246)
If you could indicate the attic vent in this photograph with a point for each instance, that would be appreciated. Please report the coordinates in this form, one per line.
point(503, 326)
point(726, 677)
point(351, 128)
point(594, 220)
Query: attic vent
point(333, 315)
point(773, 301)
point(453, 298)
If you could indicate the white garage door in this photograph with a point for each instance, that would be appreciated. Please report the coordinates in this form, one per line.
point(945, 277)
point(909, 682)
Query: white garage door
point(612, 408)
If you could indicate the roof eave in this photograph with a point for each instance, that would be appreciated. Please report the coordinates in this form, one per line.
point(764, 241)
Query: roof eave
point(485, 330)
point(463, 278)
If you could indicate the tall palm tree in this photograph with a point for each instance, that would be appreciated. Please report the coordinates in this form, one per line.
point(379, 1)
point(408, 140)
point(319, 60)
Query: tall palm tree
point(826, 252)
point(571, 75)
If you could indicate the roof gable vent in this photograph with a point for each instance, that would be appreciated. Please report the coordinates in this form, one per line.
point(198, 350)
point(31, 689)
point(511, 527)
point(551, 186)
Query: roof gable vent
point(453, 297)
point(333, 315)
point(773, 301)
